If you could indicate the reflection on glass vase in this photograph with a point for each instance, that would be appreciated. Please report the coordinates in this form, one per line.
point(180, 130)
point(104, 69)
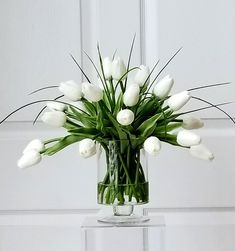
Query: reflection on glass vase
point(122, 178)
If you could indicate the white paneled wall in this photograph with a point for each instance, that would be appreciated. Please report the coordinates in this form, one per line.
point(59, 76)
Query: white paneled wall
point(46, 204)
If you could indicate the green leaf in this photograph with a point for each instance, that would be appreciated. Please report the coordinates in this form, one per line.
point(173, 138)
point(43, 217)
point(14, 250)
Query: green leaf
point(148, 126)
point(90, 107)
point(169, 127)
point(84, 130)
point(122, 135)
point(86, 120)
point(64, 142)
point(119, 104)
point(99, 124)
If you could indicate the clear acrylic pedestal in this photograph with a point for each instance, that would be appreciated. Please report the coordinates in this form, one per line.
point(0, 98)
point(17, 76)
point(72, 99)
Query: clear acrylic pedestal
point(143, 236)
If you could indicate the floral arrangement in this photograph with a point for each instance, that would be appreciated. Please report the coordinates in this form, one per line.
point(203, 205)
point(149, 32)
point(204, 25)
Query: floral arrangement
point(141, 115)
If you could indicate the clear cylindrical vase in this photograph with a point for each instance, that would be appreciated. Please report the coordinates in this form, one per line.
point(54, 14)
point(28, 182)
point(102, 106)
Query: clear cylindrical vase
point(122, 175)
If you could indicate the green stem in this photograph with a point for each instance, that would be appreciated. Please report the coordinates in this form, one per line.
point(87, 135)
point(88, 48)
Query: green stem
point(137, 167)
point(125, 168)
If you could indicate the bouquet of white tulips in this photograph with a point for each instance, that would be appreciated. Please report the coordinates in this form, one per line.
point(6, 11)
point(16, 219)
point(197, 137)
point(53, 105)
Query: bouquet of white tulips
point(141, 115)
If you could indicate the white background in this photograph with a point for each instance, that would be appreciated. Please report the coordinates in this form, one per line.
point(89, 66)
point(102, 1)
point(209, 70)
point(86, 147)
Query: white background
point(42, 208)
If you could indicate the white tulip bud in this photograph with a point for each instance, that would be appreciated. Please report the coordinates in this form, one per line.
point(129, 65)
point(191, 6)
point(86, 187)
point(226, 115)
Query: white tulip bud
point(201, 152)
point(125, 117)
point(192, 123)
point(54, 118)
point(163, 87)
point(118, 68)
point(28, 159)
point(187, 138)
point(107, 67)
point(92, 93)
point(87, 148)
point(131, 95)
point(56, 106)
point(71, 90)
point(142, 75)
point(152, 145)
point(177, 101)
point(36, 145)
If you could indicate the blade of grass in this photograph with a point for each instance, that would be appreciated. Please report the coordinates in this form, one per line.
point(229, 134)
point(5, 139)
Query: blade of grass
point(43, 88)
point(208, 86)
point(203, 108)
point(41, 111)
point(80, 68)
point(36, 102)
point(129, 57)
point(218, 108)
point(167, 63)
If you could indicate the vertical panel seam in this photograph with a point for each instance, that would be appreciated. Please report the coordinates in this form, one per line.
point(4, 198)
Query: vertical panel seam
point(142, 32)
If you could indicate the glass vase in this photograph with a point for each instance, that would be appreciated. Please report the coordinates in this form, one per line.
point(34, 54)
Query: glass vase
point(122, 178)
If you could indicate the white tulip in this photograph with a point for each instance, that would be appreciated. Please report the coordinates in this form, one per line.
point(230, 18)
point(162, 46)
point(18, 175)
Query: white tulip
point(54, 118)
point(28, 159)
point(152, 145)
point(80, 105)
point(187, 138)
point(142, 75)
point(131, 95)
point(107, 67)
point(192, 123)
point(56, 106)
point(177, 101)
point(92, 93)
point(125, 117)
point(118, 68)
point(201, 152)
point(36, 145)
point(163, 87)
point(87, 148)
point(71, 90)
point(100, 84)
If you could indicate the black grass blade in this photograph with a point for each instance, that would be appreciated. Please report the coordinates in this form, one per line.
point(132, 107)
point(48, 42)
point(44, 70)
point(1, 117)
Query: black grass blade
point(163, 68)
point(130, 54)
point(205, 108)
point(96, 69)
point(208, 86)
point(215, 106)
point(43, 88)
point(33, 103)
point(80, 68)
point(41, 111)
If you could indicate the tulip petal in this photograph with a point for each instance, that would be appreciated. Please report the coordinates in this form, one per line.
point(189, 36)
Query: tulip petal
point(125, 117)
point(35, 144)
point(187, 138)
point(202, 152)
point(87, 148)
point(30, 158)
point(152, 145)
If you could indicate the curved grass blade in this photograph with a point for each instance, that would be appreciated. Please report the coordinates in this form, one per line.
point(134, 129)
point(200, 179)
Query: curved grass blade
point(163, 68)
point(207, 102)
point(80, 68)
point(43, 88)
point(202, 108)
point(41, 111)
point(33, 103)
point(208, 86)
point(102, 70)
point(97, 71)
point(129, 57)
point(120, 80)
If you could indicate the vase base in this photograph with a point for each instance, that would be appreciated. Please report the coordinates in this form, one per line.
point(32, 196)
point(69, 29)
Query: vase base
point(130, 219)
